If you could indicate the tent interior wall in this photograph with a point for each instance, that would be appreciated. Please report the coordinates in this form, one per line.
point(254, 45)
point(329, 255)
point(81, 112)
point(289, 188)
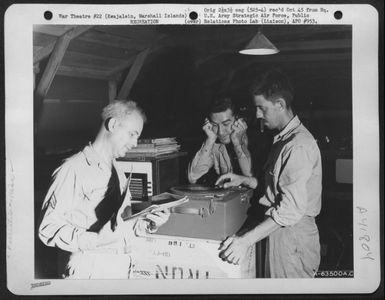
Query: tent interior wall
point(173, 72)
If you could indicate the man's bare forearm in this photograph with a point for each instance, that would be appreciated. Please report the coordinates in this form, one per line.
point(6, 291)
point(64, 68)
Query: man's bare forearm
point(204, 153)
point(207, 146)
point(260, 232)
point(244, 158)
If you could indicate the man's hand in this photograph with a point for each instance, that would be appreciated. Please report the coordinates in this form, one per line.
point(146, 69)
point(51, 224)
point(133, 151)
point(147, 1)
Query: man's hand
point(208, 129)
point(230, 180)
point(238, 132)
point(157, 219)
point(233, 249)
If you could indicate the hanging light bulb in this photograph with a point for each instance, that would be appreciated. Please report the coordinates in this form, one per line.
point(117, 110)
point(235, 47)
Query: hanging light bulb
point(259, 45)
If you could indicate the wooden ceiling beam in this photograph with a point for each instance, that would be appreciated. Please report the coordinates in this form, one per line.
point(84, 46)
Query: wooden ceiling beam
point(91, 61)
point(58, 51)
point(82, 72)
point(103, 38)
point(131, 32)
point(69, 35)
point(128, 63)
point(133, 74)
point(100, 50)
point(156, 48)
point(53, 30)
point(42, 40)
point(53, 64)
point(112, 89)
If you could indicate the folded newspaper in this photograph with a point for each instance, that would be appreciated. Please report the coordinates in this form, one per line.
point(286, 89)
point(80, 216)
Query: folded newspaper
point(163, 201)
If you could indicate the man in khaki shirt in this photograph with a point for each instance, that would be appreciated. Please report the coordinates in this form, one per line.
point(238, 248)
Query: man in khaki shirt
point(226, 146)
point(82, 211)
point(293, 177)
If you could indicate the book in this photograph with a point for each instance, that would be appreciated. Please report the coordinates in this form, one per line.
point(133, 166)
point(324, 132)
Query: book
point(154, 150)
point(152, 145)
point(157, 140)
point(143, 156)
point(167, 201)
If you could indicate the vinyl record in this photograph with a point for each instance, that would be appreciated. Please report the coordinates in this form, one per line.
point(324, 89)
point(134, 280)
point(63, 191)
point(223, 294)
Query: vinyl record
point(198, 189)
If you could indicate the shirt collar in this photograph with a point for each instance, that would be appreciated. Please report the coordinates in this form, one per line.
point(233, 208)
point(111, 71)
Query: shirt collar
point(293, 124)
point(93, 158)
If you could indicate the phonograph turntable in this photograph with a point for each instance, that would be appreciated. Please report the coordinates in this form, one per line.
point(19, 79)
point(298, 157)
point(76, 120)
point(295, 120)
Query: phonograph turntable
point(212, 212)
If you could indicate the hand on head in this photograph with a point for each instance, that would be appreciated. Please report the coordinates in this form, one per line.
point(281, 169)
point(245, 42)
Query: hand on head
point(209, 130)
point(238, 131)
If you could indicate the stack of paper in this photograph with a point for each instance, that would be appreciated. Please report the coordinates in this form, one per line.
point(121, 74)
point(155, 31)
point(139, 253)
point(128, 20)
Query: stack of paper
point(154, 147)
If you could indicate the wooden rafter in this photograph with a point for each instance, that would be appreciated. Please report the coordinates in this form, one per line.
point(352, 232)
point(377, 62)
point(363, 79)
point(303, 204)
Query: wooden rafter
point(52, 65)
point(58, 51)
point(103, 38)
point(133, 74)
point(47, 50)
point(112, 89)
point(82, 72)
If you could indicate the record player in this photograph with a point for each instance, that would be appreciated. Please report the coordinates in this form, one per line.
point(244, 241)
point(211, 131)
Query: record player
point(212, 212)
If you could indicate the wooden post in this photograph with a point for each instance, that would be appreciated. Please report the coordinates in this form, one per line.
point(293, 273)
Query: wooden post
point(52, 66)
point(47, 50)
point(133, 74)
point(50, 70)
point(112, 89)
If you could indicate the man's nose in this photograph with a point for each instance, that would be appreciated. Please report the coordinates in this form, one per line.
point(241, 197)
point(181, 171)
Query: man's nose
point(259, 113)
point(135, 143)
point(220, 130)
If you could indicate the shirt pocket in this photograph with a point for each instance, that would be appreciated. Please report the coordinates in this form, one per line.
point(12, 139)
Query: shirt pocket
point(98, 194)
point(93, 198)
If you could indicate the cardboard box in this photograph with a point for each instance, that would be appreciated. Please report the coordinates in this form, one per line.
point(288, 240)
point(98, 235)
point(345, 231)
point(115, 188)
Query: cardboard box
point(171, 257)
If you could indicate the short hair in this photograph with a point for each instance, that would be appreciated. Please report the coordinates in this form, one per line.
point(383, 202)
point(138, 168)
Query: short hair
point(274, 84)
point(221, 104)
point(120, 109)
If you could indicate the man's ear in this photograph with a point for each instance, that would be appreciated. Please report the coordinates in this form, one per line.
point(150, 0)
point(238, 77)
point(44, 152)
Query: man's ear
point(281, 103)
point(110, 124)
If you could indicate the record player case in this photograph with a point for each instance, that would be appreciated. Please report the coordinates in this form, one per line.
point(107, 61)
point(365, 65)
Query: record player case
point(211, 213)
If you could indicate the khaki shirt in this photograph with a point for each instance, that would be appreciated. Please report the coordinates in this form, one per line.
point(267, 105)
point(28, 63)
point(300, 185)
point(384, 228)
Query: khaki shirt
point(81, 201)
point(293, 175)
point(201, 164)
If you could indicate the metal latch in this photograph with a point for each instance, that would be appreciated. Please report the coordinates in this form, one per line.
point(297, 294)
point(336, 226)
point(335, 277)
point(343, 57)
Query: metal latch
point(202, 211)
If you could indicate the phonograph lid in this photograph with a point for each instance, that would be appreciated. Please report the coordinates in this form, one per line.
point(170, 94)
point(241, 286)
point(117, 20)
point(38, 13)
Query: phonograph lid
point(197, 190)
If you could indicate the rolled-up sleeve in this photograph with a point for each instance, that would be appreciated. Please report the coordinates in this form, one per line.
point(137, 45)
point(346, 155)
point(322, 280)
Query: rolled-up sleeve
point(200, 165)
point(56, 228)
point(292, 198)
